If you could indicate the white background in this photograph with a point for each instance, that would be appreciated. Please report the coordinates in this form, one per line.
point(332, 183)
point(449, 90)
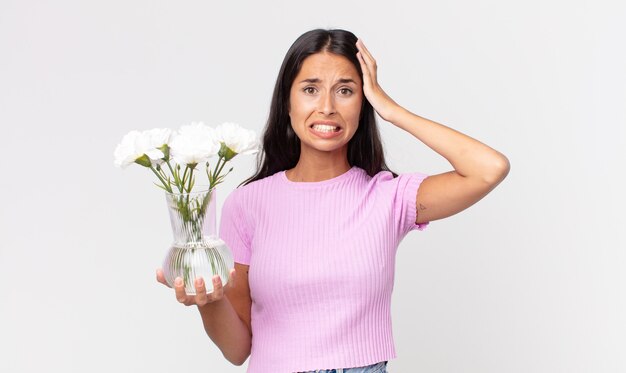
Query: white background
point(530, 279)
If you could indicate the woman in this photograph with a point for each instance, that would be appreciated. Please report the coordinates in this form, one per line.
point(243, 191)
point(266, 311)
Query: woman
point(314, 232)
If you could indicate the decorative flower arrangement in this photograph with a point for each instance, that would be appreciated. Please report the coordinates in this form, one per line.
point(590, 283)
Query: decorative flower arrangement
point(192, 145)
point(175, 157)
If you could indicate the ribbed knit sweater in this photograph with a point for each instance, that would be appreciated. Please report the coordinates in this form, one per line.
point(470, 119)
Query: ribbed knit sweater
point(322, 260)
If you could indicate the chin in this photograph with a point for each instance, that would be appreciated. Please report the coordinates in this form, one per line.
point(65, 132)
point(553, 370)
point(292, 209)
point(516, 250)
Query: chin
point(327, 147)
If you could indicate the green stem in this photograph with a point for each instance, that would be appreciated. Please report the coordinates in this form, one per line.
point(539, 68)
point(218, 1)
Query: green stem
point(220, 179)
point(182, 183)
point(164, 175)
point(218, 169)
point(166, 185)
point(176, 176)
point(190, 179)
point(212, 176)
point(222, 167)
point(188, 190)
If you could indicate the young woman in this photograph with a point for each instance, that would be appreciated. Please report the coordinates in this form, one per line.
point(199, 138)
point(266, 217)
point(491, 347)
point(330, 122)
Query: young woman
point(314, 233)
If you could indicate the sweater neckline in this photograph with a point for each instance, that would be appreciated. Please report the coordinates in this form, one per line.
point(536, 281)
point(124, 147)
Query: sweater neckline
point(306, 184)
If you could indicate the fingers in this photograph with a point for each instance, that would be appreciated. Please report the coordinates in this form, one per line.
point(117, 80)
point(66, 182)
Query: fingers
point(366, 53)
point(179, 287)
point(365, 69)
point(366, 56)
point(201, 296)
point(368, 64)
point(231, 280)
point(359, 56)
point(161, 277)
point(218, 289)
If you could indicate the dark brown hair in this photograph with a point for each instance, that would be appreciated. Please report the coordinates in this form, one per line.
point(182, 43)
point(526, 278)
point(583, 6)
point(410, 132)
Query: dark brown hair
point(280, 145)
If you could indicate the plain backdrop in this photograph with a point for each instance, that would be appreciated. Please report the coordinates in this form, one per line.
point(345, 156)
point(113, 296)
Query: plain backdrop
point(529, 279)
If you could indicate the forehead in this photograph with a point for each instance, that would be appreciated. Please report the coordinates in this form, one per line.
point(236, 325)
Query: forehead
point(327, 65)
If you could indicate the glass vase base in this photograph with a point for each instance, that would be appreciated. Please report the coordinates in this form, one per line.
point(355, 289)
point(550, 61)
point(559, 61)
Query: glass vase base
point(204, 259)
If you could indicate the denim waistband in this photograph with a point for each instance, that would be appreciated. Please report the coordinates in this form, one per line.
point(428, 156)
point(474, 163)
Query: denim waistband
point(374, 368)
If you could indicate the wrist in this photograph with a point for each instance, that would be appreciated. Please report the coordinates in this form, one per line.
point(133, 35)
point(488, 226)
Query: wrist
point(397, 115)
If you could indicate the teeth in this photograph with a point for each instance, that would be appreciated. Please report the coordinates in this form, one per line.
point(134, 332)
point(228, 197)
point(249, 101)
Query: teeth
point(325, 128)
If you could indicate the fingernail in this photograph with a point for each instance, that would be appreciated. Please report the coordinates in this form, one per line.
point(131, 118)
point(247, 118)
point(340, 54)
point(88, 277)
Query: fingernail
point(178, 281)
point(200, 281)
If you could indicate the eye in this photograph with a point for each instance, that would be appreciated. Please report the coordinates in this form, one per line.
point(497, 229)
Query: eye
point(345, 91)
point(309, 90)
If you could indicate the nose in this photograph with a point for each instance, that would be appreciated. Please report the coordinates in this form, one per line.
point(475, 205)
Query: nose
point(327, 104)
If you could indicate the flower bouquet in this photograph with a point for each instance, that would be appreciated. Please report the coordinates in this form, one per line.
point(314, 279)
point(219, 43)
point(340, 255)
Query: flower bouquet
point(174, 157)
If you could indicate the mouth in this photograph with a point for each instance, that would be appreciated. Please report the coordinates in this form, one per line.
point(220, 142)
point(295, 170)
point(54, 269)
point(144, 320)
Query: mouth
point(325, 126)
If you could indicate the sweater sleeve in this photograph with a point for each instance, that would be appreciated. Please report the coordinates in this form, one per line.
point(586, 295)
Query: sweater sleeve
point(234, 230)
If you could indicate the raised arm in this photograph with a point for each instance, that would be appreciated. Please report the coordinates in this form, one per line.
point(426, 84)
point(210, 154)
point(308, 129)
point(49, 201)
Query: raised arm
point(478, 169)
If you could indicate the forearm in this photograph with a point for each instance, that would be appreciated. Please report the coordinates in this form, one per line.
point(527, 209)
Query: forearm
point(226, 330)
point(469, 157)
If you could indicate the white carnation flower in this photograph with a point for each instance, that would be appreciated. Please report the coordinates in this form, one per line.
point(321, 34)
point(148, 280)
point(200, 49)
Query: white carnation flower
point(194, 143)
point(136, 144)
point(237, 138)
point(158, 137)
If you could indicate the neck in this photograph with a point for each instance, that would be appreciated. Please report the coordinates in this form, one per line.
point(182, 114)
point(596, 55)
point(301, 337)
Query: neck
point(312, 171)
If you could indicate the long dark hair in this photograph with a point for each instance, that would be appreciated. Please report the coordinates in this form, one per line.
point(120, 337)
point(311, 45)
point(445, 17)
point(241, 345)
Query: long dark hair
point(281, 146)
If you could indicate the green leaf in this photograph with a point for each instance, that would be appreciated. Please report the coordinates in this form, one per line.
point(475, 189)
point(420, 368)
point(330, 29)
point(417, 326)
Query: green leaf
point(161, 186)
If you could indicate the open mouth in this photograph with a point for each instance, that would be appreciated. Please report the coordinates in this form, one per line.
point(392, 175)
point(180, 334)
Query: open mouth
point(325, 128)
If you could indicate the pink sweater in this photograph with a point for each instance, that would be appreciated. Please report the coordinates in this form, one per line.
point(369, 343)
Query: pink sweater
point(322, 259)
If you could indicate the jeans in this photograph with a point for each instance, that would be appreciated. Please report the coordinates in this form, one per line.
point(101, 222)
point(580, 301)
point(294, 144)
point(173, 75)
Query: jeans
point(374, 368)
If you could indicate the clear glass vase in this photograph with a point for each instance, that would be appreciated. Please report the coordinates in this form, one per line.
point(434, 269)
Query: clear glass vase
point(196, 251)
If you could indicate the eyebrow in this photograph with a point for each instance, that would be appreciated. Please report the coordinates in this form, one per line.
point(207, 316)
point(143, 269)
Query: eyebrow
point(318, 80)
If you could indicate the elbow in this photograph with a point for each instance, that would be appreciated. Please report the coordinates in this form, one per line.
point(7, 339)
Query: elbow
point(238, 362)
point(498, 171)
point(238, 359)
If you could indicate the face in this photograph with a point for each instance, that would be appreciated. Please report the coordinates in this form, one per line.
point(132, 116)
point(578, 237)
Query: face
point(326, 94)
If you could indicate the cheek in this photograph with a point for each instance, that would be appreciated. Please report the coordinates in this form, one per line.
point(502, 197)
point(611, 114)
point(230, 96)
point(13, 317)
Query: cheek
point(354, 113)
point(301, 109)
